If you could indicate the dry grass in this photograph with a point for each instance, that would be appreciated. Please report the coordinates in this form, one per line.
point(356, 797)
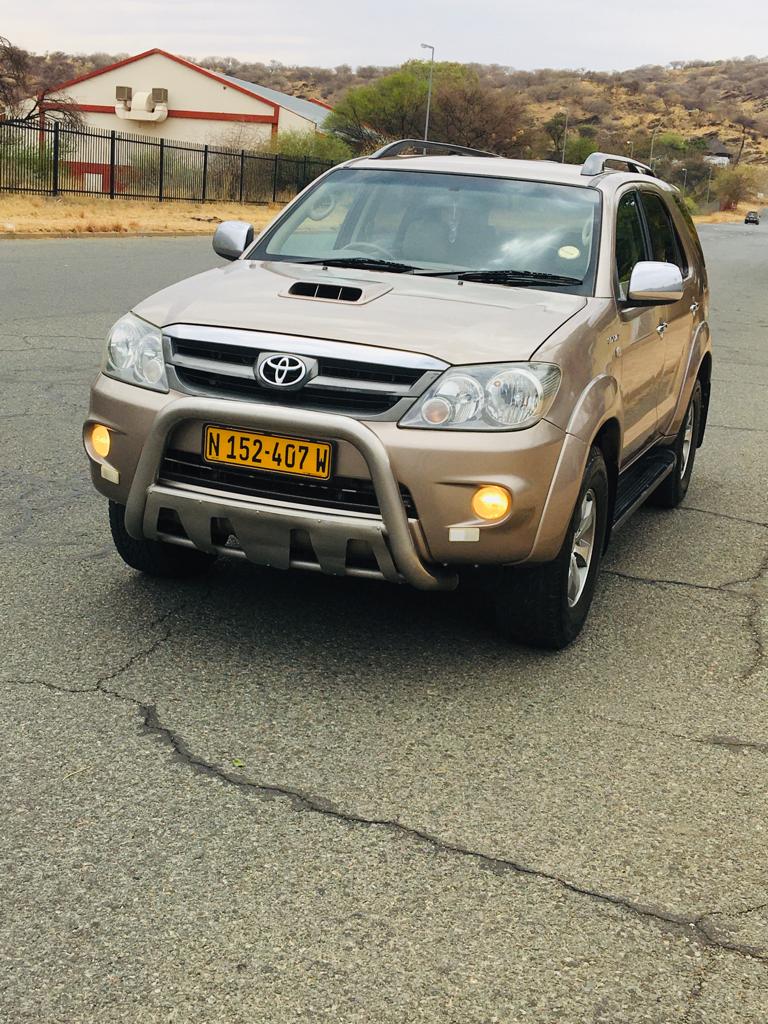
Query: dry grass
point(728, 216)
point(94, 215)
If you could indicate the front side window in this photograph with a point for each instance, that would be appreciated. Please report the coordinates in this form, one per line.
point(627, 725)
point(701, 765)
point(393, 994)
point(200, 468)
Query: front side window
point(665, 247)
point(443, 224)
point(693, 234)
point(630, 240)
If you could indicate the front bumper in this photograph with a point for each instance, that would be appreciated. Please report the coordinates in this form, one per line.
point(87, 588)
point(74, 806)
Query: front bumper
point(440, 469)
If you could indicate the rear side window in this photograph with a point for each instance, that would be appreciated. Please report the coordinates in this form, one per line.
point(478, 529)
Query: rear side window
point(665, 245)
point(630, 240)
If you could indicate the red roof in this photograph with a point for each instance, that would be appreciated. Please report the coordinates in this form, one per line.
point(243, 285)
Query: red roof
point(171, 56)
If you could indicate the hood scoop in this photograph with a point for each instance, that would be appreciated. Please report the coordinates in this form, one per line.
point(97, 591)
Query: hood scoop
point(329, 292)
point(346, 292)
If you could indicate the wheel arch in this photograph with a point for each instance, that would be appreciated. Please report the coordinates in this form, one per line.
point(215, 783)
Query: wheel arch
point(608, 440)
point(704, 376)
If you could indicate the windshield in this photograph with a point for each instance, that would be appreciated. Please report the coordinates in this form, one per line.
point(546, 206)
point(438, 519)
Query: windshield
point(435, 223)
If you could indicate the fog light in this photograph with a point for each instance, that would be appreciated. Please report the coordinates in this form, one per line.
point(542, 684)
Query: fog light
point(491, 502)
point(100, 440)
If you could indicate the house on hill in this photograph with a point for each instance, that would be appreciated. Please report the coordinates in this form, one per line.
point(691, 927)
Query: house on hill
point(163, 96)
point(717, 153)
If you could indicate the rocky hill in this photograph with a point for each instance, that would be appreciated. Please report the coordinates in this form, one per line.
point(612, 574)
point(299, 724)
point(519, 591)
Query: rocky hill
point(726, 101)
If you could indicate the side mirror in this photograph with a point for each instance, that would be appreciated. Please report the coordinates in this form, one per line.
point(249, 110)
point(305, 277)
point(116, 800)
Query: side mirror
point(232, 238)
point(653, 284)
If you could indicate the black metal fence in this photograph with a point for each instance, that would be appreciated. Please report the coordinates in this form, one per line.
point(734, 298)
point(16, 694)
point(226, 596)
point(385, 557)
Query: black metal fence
point(56, 159)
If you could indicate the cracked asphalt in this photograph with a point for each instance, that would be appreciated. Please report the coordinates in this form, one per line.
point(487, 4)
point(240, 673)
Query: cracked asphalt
point(261, 797)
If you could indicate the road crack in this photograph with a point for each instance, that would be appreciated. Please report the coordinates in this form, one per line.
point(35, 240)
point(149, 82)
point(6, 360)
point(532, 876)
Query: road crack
point(722, 515)
point(753, 598)
point(654, 582)
point(694, 928)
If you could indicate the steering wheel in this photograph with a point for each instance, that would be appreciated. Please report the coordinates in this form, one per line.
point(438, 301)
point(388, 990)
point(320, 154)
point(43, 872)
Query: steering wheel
point(370, 247)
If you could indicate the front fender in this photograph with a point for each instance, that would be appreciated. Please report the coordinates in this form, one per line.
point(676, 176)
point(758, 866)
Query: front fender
point(598, 403)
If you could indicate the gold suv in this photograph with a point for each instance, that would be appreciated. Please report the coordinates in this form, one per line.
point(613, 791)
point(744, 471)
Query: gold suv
point(434, 362)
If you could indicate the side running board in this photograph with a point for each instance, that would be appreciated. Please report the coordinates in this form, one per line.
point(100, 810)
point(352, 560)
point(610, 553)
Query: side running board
point(637, 482)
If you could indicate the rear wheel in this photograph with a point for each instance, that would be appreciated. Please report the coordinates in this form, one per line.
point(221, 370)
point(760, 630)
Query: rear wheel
point(153, 557)
point(674, 487)
point(547, 605)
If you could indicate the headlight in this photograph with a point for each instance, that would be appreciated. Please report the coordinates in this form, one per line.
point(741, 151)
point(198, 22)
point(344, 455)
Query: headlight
point(135, 354)
point(504, 396)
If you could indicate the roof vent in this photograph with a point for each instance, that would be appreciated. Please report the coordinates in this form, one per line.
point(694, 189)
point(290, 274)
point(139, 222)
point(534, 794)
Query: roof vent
point(326, 292)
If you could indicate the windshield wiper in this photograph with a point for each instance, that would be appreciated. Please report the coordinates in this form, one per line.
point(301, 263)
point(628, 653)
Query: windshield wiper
point(511, 277)
point(363, 263)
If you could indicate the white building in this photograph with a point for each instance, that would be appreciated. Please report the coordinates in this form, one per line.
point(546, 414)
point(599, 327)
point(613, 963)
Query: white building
point(164, 96)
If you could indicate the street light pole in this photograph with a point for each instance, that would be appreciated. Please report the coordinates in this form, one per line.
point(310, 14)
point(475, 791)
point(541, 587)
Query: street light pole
point(653, 139)
point(565, 134)
point(426, 46)
point(685, 179)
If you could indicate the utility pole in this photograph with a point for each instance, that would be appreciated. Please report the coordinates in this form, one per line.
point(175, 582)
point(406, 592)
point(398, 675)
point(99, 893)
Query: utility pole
point(565, 134)
point(427, 46)
point(709, 183)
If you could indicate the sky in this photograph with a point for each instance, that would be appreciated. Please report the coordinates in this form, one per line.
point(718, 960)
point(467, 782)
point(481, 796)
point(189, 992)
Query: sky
point(597, 34)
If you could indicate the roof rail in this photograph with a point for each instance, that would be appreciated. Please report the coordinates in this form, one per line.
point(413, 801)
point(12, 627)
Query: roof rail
point(446, 148)
point(596, 164)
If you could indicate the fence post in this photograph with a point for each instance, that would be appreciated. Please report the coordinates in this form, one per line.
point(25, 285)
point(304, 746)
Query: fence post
point(205, 171)
point(242, 172)
point(55, 182)
point(160, 182)
point(112, 145)
point(274, 179)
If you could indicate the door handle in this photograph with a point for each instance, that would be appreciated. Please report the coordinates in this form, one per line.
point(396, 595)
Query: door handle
point(694, 307)
point(662, 327)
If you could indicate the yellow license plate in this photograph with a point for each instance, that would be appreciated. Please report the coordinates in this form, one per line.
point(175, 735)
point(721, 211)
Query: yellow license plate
point(292, 455)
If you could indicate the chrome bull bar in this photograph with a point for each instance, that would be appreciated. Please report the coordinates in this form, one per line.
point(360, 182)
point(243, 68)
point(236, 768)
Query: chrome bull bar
point(263, 529)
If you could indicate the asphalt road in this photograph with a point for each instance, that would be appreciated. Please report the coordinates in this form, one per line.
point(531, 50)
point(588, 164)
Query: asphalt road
point(281, 798)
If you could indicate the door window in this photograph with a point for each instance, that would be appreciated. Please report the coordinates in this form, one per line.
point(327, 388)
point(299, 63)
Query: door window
point(665, 245)
point(630, 240)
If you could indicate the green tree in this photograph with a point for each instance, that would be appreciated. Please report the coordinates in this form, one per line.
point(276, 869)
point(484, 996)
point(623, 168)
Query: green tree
point(578, 147)
point(555, 128)
point(733, 185)
point(393, 106)
point(471, 114)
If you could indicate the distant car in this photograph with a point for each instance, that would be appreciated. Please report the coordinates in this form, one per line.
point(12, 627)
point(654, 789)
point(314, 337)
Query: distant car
point(753, 217)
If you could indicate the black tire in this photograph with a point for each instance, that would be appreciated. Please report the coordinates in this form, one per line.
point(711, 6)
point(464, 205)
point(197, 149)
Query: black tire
point(674, 487)
point(151, 556)
point(532, 604)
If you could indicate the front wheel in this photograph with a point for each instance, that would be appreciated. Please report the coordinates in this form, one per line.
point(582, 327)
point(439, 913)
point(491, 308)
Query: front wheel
point(547, 605)
point(151, 556)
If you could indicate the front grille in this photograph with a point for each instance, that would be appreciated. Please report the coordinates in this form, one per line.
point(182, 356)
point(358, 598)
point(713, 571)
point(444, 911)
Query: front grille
point(355, 403)
point(342, 384)
point(347, 494)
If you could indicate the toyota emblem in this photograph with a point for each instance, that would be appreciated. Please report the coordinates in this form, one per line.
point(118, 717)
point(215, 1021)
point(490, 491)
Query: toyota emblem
point(277, 370)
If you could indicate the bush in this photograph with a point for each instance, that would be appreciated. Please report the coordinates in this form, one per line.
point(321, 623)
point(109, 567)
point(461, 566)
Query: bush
point(733, 185)
point(315, 145)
